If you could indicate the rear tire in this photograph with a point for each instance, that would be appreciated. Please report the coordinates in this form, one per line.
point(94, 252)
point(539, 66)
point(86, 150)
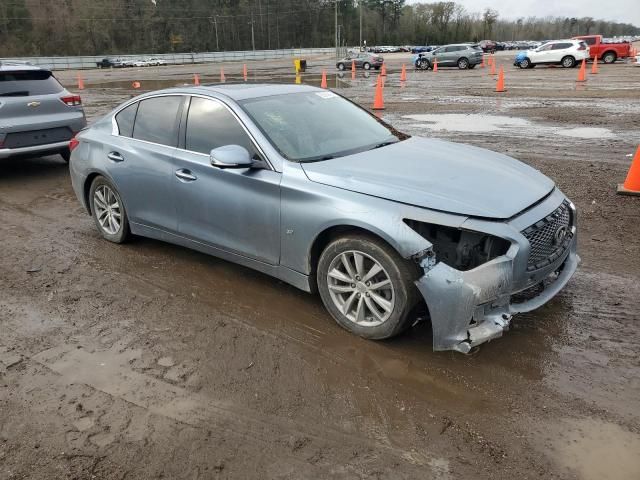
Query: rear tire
point(351, 298)
point(105, 202)
point(609, 57)
point(463, 63)
point(568, 62)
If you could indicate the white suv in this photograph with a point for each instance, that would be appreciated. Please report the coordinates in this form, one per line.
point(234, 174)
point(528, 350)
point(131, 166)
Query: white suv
point(567, 53)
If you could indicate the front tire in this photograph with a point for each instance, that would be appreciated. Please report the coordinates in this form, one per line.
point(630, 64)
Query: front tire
point(108, 211)
point(463, 64)
point(568, 62)
point(525, 63)
point(367, 287)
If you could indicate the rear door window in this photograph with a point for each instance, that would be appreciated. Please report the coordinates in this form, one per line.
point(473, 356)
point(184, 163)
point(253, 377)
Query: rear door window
point(210, 125)
point(27, 83)
point(157, 120)
point(125, 120)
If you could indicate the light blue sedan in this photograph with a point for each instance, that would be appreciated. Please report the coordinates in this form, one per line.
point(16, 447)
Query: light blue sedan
point(302, 184)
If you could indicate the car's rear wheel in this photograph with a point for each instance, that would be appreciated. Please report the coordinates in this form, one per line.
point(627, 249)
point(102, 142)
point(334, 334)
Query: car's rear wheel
point(367, 287)
point(366, 66)
point(463, 64)
point(108, 210)
point(525, 63)
point(568, 62)
point(341, 66)
point(609, 57)
point(423, 64)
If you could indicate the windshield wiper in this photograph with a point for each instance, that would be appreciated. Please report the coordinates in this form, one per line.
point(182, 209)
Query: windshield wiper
point(384, 144)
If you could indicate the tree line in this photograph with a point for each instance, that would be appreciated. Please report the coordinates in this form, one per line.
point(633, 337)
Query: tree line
point(96, 27)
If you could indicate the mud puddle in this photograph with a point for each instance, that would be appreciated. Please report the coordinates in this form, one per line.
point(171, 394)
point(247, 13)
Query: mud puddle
point(480, 123)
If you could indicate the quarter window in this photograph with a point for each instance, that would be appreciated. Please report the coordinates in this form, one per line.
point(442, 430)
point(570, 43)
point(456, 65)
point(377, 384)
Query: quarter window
point(210, 125)
point(125, 119)
point(156, 120)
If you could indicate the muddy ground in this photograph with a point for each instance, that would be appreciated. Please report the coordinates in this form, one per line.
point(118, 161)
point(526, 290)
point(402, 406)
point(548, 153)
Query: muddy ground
point(148, 361)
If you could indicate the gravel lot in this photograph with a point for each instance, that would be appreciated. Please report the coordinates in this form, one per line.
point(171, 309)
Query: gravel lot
point(148, 361)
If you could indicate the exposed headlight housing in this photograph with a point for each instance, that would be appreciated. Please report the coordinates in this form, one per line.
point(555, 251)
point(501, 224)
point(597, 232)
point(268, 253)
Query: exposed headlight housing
point(460, 249)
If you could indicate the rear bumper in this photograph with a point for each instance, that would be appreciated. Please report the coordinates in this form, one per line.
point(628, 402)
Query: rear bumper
point(34, 150)
point(472, 307)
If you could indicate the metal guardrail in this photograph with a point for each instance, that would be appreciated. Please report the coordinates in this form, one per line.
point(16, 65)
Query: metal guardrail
point(73, 63)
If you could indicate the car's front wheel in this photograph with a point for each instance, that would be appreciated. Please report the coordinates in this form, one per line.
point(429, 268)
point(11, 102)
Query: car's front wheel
point(524, 63)
point(463, 64)
point(367, 287)
point(108, 210)
point(568, 62)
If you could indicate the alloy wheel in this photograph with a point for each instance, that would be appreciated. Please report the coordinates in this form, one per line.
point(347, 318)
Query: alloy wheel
point(361, 288)
point(108, 210)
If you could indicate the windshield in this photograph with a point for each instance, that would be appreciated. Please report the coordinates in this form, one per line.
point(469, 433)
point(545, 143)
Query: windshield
point(26, 83)
point(313, 126)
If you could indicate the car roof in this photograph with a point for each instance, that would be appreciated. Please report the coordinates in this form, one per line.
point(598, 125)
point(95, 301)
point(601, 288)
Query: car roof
point(13, 66)
point(242, 91)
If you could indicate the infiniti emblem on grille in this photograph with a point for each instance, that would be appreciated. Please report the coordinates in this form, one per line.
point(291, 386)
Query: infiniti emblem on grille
point(559, 236)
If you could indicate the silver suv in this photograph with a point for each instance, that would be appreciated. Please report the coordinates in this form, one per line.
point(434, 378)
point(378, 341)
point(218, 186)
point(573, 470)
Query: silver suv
point(38, 116)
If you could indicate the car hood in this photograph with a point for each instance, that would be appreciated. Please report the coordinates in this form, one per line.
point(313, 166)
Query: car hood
point(438, 175)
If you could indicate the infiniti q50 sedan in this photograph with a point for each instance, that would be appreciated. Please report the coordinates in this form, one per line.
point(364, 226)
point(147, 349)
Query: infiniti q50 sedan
point(304, 185)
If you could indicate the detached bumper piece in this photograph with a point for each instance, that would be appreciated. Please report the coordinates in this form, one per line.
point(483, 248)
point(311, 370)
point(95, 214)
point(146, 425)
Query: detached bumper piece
point(472, 307)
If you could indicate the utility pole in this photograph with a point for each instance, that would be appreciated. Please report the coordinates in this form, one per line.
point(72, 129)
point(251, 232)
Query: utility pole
point(361, 2)
point(253, 37)
point(336, 31)
point(215, 22)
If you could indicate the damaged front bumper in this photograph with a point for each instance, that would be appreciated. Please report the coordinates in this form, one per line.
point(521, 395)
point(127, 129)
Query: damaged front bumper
point(468, 308)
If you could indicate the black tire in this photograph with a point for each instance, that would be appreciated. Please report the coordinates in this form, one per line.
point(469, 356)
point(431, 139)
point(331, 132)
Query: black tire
point(401, 273)
point(66, 155)
point(609, 57)
point(525, 63)
point(463, 63)
point(423, 64)
point(341, 66)
point(568, 62)
point(367, 66)
point(123, 234)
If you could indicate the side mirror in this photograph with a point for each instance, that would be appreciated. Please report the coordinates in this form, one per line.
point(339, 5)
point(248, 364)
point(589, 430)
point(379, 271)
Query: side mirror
point(231, 156)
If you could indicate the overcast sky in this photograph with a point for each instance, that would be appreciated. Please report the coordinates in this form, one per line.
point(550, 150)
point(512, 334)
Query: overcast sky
point(627, 11)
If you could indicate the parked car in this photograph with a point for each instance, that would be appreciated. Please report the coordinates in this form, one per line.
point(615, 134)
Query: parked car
point(363, 60)
point(607, 52)
point(106, 63)
point(463, 56)
point(567, 53)
point(488, 46)
point(141, 63)
point(304, 185)
point(157, 62)
point(38, 116)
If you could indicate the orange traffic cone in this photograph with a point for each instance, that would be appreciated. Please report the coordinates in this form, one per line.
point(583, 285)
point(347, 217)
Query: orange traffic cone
point(323, 84)
point(435, 64)
point(631, 185)
point(135, 85)
point(244, 72)
point(594, 65)
point(222, 77)
point(353, 69)
point(582, 73)
point(403, 73)
point(80, 83)
point(383, 72)
point(378, 101)
point(196, 79)
point(500, 84)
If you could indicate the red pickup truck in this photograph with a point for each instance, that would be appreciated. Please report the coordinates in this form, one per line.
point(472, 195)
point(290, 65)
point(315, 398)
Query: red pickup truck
point(607, 52)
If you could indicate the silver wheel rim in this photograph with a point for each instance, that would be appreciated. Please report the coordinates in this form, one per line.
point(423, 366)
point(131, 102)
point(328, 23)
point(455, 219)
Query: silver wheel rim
point(463, 64)
point(567, 62)
point(361, 288)
point(108, 210)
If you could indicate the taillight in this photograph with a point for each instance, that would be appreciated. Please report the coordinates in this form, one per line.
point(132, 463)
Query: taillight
point(72, 100)
point(73, 143)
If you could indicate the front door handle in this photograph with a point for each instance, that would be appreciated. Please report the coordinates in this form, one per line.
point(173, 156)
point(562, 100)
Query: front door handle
point(185, 175)
point(115, 157)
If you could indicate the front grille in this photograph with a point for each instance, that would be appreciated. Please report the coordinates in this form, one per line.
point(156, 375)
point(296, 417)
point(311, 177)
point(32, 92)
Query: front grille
point(550, 237)
point(37, 137)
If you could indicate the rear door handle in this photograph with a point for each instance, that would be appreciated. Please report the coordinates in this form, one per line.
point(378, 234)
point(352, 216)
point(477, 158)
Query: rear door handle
point(115, 157)
point(185, 175)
